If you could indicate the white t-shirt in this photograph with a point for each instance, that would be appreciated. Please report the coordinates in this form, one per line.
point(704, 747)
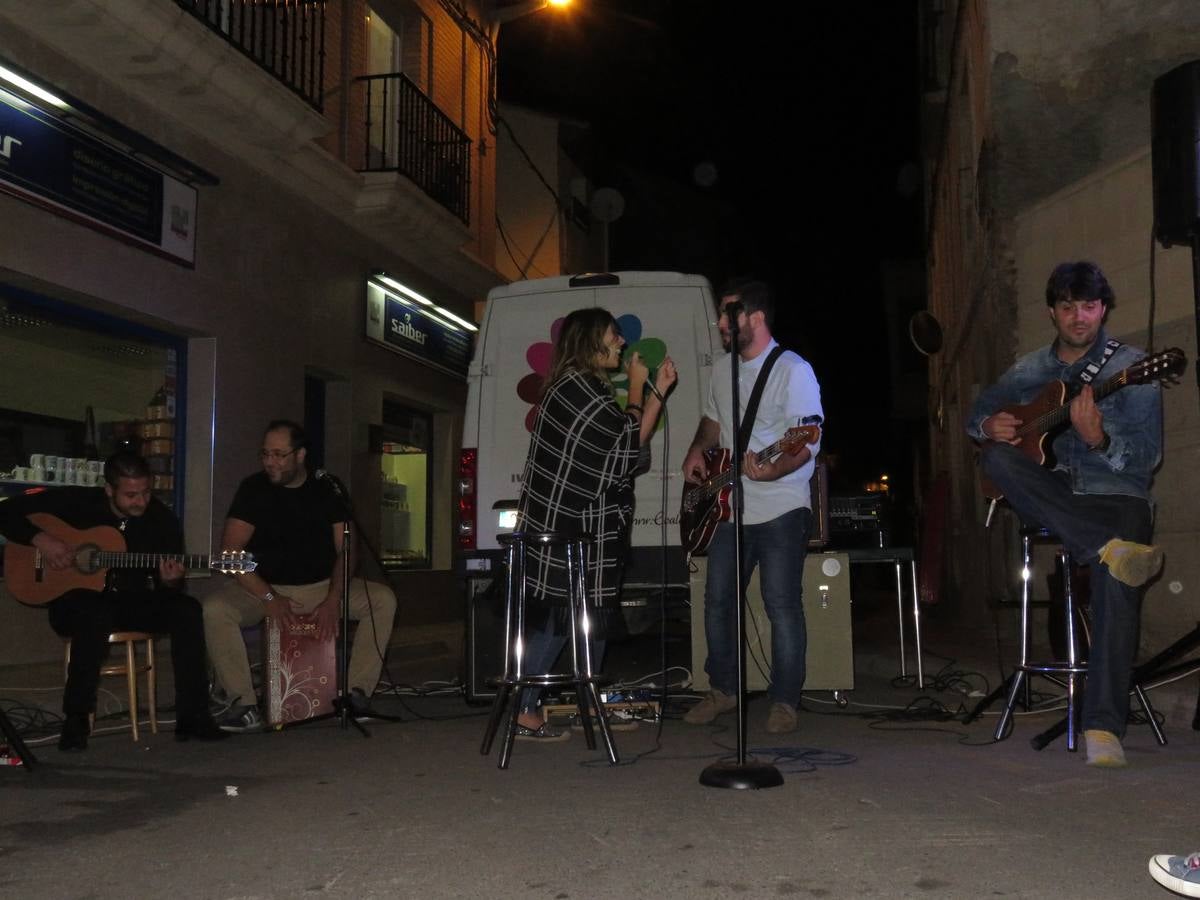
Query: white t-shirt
point(791, 394)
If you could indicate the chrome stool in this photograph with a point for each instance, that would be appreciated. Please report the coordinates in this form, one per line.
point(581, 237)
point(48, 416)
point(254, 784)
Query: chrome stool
point(515, 679)
point(1064, 672)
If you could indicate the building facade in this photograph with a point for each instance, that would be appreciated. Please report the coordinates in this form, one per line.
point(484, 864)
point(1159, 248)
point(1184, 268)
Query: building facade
point(1038, 150)
point(232, 212)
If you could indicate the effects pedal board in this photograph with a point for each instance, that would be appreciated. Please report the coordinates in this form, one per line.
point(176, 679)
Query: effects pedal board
point(620, 711)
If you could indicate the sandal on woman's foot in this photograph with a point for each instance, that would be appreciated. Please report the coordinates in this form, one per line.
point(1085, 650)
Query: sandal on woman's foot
point(545, 733)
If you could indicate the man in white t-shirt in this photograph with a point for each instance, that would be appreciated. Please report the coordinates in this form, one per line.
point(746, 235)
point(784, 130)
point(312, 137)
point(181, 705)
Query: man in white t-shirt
point(777, 518)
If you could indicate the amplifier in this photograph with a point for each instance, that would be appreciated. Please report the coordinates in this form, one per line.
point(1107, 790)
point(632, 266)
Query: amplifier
point(485, 636)
point(830, 659)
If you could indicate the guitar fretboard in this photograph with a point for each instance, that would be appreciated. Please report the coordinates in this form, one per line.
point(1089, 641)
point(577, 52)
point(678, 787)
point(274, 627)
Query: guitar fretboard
point(107, 559)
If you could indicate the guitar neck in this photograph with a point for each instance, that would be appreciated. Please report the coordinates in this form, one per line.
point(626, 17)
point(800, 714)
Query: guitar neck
point(1051, 420)
point(726, 478)
point(107, 559)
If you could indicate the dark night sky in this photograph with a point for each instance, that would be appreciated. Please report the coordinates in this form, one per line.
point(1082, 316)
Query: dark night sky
point(808, 113)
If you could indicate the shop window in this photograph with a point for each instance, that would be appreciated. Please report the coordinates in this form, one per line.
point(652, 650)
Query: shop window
point(405, 514)
point(75, 387)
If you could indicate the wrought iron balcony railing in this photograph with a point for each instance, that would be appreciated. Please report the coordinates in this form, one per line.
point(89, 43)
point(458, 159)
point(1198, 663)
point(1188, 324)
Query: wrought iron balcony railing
point(407, 133)
point(285, 37)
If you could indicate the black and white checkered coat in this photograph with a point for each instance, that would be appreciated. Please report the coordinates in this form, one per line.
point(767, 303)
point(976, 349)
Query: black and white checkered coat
point(583, 456)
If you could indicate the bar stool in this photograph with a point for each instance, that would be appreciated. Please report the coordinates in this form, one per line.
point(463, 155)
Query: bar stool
point(1064, 672)
point(515, 679)
point(130, 669)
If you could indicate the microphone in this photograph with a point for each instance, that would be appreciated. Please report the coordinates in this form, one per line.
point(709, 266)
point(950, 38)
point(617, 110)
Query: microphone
point(733, 309)
point(332, 480)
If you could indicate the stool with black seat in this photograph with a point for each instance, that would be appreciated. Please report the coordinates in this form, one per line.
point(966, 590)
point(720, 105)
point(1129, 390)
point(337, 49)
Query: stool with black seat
point(1065, 672)
point(131, 669)
point(515, 679)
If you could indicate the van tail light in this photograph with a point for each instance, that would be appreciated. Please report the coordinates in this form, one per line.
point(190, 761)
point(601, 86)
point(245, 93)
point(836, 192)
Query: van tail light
point(467, 518)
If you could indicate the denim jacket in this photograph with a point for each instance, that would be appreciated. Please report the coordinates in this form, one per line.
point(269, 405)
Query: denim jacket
point(1132, 419)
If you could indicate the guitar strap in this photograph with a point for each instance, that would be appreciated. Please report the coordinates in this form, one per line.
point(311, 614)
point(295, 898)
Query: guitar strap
point(756, 395)
point(1089, 372)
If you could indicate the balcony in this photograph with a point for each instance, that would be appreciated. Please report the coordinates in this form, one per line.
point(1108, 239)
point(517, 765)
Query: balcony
point(284, 37)
point(404, 132)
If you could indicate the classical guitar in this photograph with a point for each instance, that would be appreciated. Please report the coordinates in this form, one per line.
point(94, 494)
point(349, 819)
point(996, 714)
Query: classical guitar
point(30, 579)
point(709, 502)
point(1044, 416)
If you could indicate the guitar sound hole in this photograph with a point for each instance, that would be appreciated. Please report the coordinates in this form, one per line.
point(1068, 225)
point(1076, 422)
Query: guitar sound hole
point(85, 559)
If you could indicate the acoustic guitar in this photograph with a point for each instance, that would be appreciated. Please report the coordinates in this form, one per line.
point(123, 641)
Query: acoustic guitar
point(708, 503)
point(30, 579)
point(1044, 416)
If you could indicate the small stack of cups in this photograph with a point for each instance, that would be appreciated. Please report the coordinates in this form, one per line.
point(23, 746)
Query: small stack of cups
point(49, 469)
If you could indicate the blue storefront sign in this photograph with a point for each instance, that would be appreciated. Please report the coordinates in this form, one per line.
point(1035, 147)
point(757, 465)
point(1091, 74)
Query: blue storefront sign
point(50, 163)
point(407, 327)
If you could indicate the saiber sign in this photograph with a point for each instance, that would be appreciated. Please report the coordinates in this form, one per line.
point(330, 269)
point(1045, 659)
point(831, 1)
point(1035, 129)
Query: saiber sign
point(406, 322)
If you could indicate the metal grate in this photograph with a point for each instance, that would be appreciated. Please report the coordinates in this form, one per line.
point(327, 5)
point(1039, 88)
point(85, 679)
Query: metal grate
point(285, 37)
point(407, 133)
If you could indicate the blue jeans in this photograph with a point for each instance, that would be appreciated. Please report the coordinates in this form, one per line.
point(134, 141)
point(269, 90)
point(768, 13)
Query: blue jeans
point(542, 650)
point(1085, 523)
point(777, 548)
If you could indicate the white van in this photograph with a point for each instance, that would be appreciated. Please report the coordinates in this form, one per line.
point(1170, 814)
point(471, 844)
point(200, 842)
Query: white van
point(659, 313)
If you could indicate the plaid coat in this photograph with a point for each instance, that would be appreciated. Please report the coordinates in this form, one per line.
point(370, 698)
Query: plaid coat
point(578, 478)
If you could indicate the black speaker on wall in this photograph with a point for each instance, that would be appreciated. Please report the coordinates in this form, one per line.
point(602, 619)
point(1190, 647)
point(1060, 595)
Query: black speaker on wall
point(1175, 144)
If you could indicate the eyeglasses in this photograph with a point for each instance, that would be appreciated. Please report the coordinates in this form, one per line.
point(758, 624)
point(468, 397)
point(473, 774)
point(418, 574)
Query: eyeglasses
point(276, 455)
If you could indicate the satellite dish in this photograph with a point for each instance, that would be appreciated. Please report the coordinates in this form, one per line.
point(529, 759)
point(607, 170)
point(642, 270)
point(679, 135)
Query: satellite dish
point(606, 205)
point(925, 332)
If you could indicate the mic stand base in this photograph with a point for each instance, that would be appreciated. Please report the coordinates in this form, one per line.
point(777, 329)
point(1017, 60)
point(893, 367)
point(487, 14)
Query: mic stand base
point(743, 776)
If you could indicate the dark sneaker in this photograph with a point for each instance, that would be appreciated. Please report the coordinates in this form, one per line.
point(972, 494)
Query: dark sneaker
point(544, 733)
point(1180, 874)
point(360, 705)
point(75, 731)
point(242, 720)
point(202, 728)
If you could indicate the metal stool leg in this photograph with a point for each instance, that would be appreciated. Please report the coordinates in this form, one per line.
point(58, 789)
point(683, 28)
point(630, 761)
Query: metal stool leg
point(506, 681)
point(1072, 653)
point(1020, 673)
point(586, 685)
point(517, 591)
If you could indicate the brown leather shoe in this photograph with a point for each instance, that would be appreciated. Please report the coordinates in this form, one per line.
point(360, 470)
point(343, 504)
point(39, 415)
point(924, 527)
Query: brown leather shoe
point(712, 705)
point(781, 719)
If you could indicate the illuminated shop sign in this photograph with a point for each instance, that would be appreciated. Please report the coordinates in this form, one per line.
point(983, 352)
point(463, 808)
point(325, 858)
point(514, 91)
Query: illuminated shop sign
point(405, 321)
point(52, 164)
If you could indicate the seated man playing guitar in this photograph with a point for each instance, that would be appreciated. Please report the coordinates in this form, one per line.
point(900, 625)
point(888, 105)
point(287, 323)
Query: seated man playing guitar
point(1096, 497)
point(777, 516)
point(57, 523)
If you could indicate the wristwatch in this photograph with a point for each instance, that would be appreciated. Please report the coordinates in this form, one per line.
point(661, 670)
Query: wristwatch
point(268, 596)
point(1103, 446)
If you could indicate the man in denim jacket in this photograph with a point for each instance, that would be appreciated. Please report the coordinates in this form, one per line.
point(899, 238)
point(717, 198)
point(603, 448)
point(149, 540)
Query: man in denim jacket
point(1096, 499)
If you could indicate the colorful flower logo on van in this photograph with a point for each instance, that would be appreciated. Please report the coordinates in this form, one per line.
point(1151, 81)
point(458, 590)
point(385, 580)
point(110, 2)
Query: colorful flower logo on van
point(540, 354)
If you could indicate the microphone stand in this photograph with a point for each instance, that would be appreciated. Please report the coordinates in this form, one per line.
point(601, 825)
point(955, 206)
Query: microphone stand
point(741, 774)
point(342, 706)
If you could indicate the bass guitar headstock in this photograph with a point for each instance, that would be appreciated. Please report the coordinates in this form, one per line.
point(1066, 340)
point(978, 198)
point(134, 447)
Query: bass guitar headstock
point(796, 439)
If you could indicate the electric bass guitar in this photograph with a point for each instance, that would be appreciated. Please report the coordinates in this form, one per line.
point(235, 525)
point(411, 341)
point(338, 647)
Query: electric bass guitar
point(30, 579)
point(1044, 416)
point(706, 504)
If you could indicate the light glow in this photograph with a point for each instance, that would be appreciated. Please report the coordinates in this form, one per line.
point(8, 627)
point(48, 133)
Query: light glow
point(454, 322)
point(32, 89)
